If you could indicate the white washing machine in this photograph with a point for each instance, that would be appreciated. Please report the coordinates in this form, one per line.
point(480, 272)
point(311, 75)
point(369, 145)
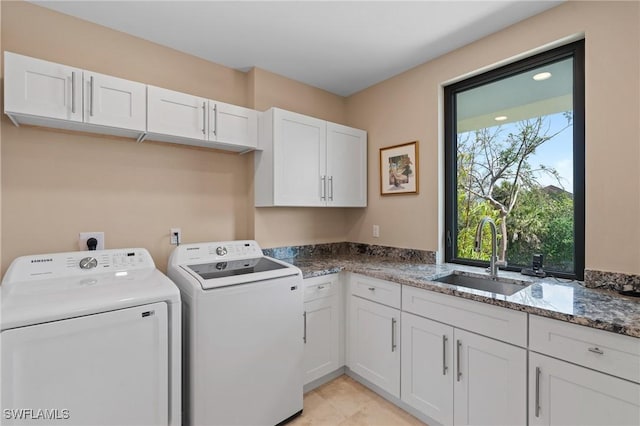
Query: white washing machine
point(90, 338)
point(243, 334)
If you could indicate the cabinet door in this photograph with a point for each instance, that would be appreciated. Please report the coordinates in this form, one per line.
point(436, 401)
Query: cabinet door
point(427, 367)
point(491, 382)
point(176, 114)
point(346, 166)
point(299, 160)
point(114, 102)
point(565, 394)
point(374, 348)
point(233, 125)
point(321, 337)
point(41, 88)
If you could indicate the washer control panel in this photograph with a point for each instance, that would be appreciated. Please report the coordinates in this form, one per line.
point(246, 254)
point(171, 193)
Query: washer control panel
point(79, 263)
point(236, 250)
point(217, 251)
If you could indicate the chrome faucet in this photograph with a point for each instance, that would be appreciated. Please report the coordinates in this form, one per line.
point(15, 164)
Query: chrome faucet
point(493, 260)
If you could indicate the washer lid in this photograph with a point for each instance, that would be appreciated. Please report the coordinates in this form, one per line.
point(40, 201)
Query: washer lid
point(233, 272)
point(59, 289)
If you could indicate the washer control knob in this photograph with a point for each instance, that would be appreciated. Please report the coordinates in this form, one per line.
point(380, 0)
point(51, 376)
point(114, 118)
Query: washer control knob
point(88, 263)
point(221, 251)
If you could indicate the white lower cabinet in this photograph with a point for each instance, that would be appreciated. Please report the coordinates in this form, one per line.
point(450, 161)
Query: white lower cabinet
point(323, 327)
point(592, 379)
point(457, 377)
point(460, 362)
point(427, 367)
point(561, 393)
point(491, 382)
point(374, 350)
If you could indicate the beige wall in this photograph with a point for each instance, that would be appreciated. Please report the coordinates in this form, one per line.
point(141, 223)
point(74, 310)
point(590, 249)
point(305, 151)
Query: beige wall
point(406, 108)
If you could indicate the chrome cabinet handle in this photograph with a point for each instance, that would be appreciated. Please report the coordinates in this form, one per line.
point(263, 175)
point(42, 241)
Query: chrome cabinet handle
point(372, 289)
point(204, 118)
point(73, 92)
point(444, 355)
point(538, 372)
point(393, 334)
point(304, 336)
point(91, 96)
point(596, 350)
point(459, 347)
point(320, 287)
point(331, 188)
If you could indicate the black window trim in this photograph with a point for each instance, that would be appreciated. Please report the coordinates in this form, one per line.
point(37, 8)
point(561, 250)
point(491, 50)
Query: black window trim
point(575, 50)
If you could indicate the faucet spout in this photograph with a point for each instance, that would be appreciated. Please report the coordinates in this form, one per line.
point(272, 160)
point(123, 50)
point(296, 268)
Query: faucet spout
point(493, 260)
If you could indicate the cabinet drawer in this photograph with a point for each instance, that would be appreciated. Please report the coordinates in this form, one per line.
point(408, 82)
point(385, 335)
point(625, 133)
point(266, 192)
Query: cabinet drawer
point(492, 321)
point(380, 291)
point(597, 349)
point(319, 287)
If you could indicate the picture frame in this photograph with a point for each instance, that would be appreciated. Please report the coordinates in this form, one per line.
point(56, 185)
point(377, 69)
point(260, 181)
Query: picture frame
point(399, 169)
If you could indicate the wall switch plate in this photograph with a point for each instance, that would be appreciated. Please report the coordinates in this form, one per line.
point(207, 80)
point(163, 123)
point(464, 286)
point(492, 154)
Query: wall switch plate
point(376, 231)
point(176, 236)
point(84, 236)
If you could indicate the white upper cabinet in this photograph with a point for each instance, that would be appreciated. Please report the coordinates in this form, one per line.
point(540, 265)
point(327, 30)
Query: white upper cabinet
point(38, 88)
point(115, 102)
point(298, 159)
point(233, 125)
point(186, 119)
point(309, 162)
point(346, 166)
point(177, 114)
point(47, 94)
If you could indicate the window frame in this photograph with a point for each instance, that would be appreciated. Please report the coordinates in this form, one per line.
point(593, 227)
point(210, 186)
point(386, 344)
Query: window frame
point(574, 50)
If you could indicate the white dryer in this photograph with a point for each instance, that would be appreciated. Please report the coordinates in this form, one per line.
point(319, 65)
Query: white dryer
point(90, 338)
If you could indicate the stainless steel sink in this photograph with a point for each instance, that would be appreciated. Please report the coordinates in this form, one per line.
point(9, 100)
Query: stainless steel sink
point(485, 284)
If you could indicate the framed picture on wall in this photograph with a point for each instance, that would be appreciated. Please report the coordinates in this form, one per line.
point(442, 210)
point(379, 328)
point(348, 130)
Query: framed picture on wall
point(399, 169)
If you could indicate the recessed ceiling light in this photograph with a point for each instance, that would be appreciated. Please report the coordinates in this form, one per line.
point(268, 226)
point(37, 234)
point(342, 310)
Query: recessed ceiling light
point(500, 118)
point(542, 76)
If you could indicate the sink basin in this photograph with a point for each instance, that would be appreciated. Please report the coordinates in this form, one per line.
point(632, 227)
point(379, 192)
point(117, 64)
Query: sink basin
point(484, 284)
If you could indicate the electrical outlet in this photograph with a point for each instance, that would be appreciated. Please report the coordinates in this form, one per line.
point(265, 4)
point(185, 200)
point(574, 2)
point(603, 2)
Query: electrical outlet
point(376, 231)
point(176, 236)
point(84, 236)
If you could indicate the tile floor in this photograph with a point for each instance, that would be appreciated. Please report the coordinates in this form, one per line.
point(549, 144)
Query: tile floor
point(345, 402)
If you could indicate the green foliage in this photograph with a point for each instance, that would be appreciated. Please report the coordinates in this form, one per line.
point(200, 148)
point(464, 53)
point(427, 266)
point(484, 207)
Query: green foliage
point(495, 179)
point(540, 222)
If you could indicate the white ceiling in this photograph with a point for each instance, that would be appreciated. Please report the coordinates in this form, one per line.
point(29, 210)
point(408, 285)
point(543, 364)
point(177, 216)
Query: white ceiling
point(340, 46)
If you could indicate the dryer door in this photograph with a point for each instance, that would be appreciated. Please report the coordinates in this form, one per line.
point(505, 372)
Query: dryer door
point(109, 369)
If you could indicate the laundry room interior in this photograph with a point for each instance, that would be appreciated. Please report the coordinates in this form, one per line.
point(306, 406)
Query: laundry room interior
point(58, 182)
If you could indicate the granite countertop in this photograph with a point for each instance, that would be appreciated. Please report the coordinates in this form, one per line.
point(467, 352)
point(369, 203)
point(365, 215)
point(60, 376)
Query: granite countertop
point(548, 297)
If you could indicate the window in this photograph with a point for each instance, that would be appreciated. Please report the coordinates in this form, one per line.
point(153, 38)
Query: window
point(514, 151)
